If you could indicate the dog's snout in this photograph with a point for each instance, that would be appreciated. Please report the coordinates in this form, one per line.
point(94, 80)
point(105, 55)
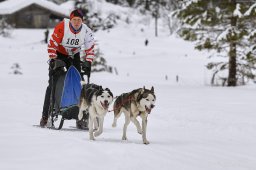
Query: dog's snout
point(152, 106)
point(105, 102)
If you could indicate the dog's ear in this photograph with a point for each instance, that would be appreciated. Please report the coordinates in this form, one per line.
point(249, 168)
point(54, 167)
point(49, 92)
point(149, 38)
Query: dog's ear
point(142, 90)
point(111, 94)
point(98, 92)
point(152, 89)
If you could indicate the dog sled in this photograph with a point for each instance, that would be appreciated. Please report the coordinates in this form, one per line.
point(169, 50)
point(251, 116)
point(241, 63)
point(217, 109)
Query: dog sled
point(65, 97)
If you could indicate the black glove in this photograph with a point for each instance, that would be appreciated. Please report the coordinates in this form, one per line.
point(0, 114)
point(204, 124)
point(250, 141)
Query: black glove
point(86, 67)
point(51, 66)
point(56, 65)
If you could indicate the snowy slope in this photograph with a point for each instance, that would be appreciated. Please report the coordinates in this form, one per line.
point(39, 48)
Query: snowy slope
point(193, 127)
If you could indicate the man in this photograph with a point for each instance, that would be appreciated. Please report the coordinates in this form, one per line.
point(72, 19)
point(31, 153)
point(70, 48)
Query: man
point(46, 33)
point(66, 41)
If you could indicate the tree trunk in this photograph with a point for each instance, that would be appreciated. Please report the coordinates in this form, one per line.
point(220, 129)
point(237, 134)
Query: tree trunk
point(156, 16)
point(147, 5)
point(232, 65)
point(169, 20)
point(156, 33)
point(232, 52)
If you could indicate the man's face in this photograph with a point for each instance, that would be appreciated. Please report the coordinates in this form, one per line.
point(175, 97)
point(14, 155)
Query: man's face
point(76, 22)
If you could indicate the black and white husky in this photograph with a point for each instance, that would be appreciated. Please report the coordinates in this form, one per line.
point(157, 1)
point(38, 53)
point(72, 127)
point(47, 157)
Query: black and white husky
point(96, 100)
point(139, 102)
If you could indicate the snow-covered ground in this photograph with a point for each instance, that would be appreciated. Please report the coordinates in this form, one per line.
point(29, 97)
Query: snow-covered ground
point(193, 127)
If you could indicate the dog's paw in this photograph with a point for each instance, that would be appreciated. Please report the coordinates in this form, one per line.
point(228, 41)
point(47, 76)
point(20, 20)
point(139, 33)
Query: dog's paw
point(124, 138)
point(146, 142)
point(92, 138)
point(139, 131)
point(97, 133)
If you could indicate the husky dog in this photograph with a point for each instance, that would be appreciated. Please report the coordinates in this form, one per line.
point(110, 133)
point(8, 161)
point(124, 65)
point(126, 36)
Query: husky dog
point(139, 102)
point(96, 100)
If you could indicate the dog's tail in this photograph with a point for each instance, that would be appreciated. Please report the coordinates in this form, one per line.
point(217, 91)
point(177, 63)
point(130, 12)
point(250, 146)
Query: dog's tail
point(117, 112)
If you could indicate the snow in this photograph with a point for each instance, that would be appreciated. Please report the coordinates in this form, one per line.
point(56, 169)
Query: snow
point(224, 34)
point(12, 6)
point(237, 11)
point(68, 6)
point(194, 126)
point(217, 9)
point(250, 10)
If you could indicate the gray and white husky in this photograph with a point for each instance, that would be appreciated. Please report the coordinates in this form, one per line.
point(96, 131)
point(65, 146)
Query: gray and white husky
point(96, 100)
point(136, 103)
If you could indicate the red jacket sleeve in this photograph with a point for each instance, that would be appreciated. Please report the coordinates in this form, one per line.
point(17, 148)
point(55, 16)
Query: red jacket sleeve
point(55, 40)
point(89, 54)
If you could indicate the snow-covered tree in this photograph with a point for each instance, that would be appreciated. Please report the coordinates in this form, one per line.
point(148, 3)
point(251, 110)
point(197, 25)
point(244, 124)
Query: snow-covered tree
point(100, 64)
point(226, 26)
point(94, 21)
point(119, 2)
point(113, 1)
point(154, 7)
point(83, 5)
point(16, 69)
point(169, 20)
point(5, 28)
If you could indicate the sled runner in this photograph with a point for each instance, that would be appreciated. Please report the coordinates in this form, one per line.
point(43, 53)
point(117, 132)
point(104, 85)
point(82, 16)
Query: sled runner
point(65, 96)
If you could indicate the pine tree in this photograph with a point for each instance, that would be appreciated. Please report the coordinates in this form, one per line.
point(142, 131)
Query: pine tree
point(83, 6)
point(130, 2)
point(171, 22)
point(113, 1)
point(154, 7)
point(5, 28)
point(226, 26)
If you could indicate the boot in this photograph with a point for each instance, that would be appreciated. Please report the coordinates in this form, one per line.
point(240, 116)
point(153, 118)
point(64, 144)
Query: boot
point(43, 121)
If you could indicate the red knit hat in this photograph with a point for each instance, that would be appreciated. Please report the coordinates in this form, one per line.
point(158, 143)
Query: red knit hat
point(76, 13)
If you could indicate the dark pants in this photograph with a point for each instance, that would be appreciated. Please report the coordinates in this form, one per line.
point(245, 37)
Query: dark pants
point(53, 76)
